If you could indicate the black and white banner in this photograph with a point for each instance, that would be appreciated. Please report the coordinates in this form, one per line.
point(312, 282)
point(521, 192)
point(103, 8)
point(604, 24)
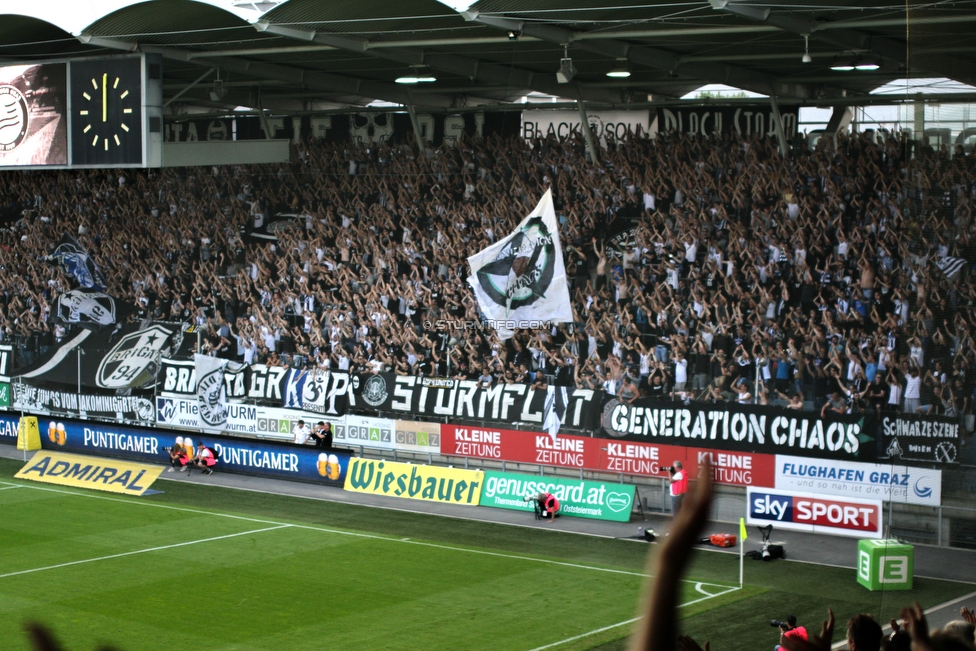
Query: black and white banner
point(950, 266)
point(124, 358)
point(746, 121)
point(35, 400)
point(74, 259)
point(316, 391)
point(934, 439)
point(90, 307)
point(745, 428)
point(444, 397)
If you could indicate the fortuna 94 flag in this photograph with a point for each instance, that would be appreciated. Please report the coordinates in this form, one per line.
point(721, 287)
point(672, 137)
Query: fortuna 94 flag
point(520, 281)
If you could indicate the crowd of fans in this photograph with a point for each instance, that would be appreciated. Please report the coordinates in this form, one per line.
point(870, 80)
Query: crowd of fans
point(747, 276)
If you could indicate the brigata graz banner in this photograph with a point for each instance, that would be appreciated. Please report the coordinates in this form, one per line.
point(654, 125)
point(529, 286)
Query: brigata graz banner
point(933, 439)
point(321, 392)
point(236, 455)
point(745, 428)
point(444, 397)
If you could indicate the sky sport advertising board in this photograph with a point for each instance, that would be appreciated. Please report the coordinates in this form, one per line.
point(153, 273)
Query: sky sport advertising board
point(842, 516)
point(896, 483)
point(606, 455)
point(595, 500)
point(305, 463)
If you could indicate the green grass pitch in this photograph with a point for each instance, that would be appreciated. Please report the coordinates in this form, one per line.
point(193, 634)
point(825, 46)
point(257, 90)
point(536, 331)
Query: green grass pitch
point(202, 567)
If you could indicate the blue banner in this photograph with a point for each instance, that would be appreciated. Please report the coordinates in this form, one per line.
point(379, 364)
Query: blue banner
point(8, 428)
point(244, 456)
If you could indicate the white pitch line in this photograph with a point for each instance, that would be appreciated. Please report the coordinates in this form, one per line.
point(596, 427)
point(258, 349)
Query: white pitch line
point(139, 551)
point(628, 621)
point(352, 533)
point(7, 488)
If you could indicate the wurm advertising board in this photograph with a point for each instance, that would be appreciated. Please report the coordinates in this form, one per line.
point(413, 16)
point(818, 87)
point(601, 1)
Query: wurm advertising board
point(843, 516)
point(595, 500)
point(894, 483)
point(252, 420)
point(304, 463)
point(430, 483)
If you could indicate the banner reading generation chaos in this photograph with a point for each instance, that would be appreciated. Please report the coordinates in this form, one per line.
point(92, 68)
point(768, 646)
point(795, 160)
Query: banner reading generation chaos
point(244, 456)
point(745, 428)
point(440, 397)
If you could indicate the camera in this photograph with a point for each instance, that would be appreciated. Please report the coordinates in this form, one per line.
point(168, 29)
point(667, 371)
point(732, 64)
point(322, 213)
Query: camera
point(168, 449)
point(780, 624)
point(667, 469)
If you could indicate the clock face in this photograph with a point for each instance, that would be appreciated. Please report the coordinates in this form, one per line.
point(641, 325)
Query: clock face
point(106, 112)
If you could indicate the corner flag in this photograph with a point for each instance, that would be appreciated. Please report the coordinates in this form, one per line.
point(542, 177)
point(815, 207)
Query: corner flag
point(742, 530)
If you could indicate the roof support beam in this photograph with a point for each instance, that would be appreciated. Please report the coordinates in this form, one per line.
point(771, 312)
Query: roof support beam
point(475, 69)
point(746, 78)
point(849, 38)
point(338, 84)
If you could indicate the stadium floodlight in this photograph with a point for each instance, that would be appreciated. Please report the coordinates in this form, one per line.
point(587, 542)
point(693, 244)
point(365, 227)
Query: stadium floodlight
point(566, 70)
point(622, 70)
point(842, 65)
point(217, 91)
point(867, 64)
point(806, 49)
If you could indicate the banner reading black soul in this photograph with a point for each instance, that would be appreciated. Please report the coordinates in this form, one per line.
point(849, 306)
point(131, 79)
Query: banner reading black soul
point(440, 397)
point(744, 428)
point(934, 439)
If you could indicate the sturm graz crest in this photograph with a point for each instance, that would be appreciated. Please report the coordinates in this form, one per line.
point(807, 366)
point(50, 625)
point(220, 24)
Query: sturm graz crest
point(210, 398)
point(523, 269)
point(132, 362)
point(374, 391)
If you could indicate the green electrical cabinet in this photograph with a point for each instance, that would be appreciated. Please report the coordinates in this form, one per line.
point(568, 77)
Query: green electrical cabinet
point(885, 564)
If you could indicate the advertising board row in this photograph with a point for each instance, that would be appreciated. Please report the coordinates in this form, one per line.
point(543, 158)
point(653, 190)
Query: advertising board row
point(884, 481)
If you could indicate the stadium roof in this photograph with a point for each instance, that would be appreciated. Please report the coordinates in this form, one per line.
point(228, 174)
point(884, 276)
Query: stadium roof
point(307, 55)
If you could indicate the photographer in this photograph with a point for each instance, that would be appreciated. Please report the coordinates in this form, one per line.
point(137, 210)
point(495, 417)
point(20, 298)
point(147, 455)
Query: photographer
point(789, 630)
point(322, 435)
point(679, 486)
point(546, 505)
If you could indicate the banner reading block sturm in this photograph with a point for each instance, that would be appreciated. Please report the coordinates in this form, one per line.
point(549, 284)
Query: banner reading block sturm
point(596, 500)
point(82, 471)
point(430, 483)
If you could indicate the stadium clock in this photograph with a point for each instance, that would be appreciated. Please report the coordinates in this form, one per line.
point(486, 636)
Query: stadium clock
point(106, 112)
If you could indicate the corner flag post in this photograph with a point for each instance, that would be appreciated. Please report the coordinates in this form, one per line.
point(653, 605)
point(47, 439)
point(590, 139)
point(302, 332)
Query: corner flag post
point(742, 547)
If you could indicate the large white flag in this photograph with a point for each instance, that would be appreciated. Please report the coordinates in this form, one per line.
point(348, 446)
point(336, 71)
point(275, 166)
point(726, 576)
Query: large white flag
point(520, 281)
point(211, 393)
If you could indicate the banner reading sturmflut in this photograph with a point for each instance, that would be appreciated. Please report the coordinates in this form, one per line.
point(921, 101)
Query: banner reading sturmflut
point(521, 279)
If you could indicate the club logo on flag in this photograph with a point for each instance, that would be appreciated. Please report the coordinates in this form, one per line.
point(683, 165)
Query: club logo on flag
point(133, 361)
point(522, 271)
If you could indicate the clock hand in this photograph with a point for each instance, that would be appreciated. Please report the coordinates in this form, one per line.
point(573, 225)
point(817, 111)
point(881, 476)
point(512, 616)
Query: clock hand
point(104, 97)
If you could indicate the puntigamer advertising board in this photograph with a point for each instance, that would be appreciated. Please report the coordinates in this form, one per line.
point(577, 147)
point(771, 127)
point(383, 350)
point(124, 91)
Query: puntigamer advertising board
point(245, 456)
point(595, 500)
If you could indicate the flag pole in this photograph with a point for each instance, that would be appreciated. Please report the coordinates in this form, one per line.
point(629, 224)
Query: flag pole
point(743, 535)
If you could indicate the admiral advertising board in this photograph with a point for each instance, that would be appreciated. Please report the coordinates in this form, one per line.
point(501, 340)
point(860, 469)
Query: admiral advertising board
point(589, 453)
point(244, 456)
point(894, 483)
point(85, 471)
point(743, 428)
point(843, 516)
point(251, 420)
